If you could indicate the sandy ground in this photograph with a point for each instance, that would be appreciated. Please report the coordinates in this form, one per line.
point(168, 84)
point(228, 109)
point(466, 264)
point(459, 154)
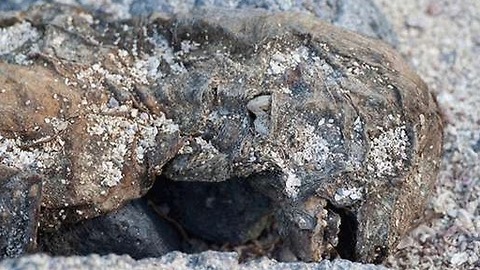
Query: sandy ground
point(441, 39)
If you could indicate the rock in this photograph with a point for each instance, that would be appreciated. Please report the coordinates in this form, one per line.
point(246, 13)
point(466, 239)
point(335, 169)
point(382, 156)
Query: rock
point(340, 134)
point(20, 195)
point(173, 260)
point(16, 4)
point(133, 229)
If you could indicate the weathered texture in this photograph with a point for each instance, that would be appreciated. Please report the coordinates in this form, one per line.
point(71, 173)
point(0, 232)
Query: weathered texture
point(334, 127)
point(78, 122)
point(93, 157)
point(20, 196)
point(361, 16)
point(315, 109)
point(174, 260)
point(133, 229)
point(16, 4)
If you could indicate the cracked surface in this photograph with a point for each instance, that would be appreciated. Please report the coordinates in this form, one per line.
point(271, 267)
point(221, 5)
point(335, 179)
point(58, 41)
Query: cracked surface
point(325, 122)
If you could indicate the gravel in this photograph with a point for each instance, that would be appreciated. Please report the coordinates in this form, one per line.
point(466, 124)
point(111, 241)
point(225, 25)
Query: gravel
point(209, 260)
point(441, 39)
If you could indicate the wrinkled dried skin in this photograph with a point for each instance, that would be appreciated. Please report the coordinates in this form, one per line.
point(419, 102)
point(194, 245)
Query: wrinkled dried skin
point(93, 157)
point(76, 116)
point(317, 110)
point(20, 197)
point(303, 109)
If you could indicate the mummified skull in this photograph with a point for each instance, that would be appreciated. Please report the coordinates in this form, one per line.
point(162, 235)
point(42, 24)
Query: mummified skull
point(332, 126)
